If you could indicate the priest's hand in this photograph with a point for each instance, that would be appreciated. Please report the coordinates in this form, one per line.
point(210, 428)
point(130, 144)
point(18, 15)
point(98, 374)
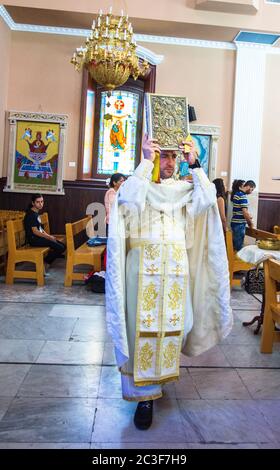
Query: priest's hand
point(150, 148)
point(191, 154)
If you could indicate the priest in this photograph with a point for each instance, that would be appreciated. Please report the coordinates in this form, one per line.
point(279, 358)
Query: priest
point(167, 280)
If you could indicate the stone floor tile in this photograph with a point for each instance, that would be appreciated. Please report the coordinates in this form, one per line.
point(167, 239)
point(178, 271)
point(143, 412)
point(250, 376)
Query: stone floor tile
point(219, 384)
point(48, 420)
point(262, 383)
point(114, 423)
point(214, 357)
point(185, 387)
point(270, 409)
point(250, 356)
point(36, 328)
point(4, 405)
point(46, 445)
point(137, 445)
point(11, 377)
point(20, 350)
point(24, 309)
point(226, 421)
point(93, 329)
point(61, 381)
point(110, 383)
point(78, 311)
point(109, 355)
point(71, 352)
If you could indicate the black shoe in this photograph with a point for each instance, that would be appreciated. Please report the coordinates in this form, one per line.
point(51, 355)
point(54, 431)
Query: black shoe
point(144, 415)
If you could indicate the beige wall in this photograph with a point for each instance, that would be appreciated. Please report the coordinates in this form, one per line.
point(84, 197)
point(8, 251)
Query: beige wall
point(42, 79)
point(206, 77)
point(5, 36)
point(270, 165)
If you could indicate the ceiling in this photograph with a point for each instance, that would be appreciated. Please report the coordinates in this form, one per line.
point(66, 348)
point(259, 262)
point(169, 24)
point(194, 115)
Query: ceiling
point(44, 17)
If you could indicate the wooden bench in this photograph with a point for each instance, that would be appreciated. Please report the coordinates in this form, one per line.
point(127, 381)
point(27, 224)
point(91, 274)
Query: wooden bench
point(84, 254)
point(45, 222)
point(234, 263)
point(272, 306)
point(261, 234)
point(18, 254)
point(6, 215)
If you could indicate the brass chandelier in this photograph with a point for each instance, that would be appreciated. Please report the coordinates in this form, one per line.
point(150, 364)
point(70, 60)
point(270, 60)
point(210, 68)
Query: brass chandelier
point(110, 52)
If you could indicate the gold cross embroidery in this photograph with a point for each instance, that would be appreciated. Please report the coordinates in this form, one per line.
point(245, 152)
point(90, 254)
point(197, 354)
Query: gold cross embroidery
point(177, 270)
point(152, 269)
point(148, 320)
point(174, 319)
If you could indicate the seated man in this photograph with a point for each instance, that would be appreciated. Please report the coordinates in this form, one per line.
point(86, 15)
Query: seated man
point(167, 280)
point(35, 233)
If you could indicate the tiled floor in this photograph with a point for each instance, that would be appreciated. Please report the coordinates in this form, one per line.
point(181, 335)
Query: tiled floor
point(60, 387)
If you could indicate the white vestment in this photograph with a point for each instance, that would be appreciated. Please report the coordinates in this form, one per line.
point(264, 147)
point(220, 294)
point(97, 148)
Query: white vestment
point(167, 281)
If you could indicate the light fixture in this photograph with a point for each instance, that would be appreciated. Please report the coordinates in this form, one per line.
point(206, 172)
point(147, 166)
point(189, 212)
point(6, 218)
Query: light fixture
point(109, 53)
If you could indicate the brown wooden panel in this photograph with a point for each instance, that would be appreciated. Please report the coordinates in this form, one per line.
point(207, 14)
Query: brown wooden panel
point(61, 209)
point(268, 211)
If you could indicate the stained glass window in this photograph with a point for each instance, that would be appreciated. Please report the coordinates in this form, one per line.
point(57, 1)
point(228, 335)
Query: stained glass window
point(117, 132)
point(88, 132)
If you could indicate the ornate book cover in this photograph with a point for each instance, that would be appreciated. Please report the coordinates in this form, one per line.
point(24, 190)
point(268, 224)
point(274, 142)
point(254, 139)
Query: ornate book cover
point(167, 119)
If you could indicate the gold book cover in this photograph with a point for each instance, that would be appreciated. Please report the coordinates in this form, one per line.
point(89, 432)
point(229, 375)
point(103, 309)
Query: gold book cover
point(167, 119)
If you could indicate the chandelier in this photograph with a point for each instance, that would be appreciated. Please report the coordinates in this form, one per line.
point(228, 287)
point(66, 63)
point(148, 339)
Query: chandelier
point(110, 52)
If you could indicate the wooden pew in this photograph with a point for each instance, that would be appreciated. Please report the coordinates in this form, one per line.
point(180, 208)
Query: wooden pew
point(234, 263)
point(18, 254)
point(81, 255)
point(272, 306)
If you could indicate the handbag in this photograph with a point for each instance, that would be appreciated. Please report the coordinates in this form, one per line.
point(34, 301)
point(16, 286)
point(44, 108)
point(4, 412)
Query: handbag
point(254, 281)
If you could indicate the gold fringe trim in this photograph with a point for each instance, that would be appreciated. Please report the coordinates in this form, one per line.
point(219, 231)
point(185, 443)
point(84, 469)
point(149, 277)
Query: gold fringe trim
point(156, 382)
point(143, 398)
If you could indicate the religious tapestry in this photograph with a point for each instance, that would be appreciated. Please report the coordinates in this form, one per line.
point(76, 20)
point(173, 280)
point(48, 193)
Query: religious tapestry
point(36, 148)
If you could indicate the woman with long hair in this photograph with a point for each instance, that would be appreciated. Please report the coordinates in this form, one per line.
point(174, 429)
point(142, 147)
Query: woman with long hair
point(221, 201)
point(236, 184)
point(116, 181)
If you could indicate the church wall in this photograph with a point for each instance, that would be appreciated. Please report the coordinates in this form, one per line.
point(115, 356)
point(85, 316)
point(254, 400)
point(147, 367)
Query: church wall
point(5, 40)
point(43, 80)
point(50, 84)
point(206, 77)
point(270, 164)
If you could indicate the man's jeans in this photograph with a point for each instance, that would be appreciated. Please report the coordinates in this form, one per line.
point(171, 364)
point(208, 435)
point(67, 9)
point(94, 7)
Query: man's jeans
point(238, 235)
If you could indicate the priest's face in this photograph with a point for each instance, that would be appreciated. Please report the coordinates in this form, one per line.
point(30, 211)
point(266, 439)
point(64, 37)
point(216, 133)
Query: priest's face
point(167, 163)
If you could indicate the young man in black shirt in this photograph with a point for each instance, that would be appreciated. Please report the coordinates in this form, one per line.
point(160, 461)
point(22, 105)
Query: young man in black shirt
point(35, 233)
